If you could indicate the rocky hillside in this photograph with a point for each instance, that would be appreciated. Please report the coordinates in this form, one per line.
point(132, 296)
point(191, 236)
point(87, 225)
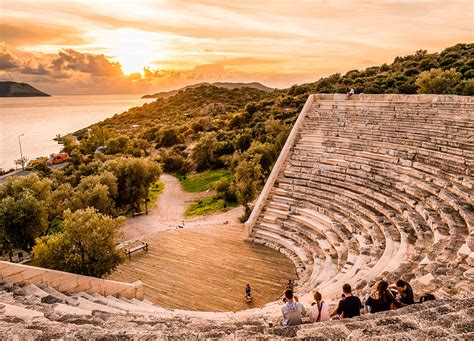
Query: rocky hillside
point(225, 85)
point(14, 89)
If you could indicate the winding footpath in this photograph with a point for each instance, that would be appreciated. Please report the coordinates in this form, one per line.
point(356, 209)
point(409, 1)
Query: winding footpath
point(168, 212)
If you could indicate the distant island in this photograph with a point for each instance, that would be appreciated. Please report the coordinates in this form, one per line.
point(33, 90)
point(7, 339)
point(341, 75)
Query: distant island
point(14, 89)
point(226, 85)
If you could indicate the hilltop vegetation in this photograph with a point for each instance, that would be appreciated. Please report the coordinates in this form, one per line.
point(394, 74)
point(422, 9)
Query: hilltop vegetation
point(226, 85)
point(401, 75)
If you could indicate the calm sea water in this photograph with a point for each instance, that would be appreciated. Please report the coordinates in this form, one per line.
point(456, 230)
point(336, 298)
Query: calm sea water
point(40, 119)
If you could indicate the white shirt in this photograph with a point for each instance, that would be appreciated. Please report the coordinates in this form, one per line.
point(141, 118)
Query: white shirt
point(314, 311)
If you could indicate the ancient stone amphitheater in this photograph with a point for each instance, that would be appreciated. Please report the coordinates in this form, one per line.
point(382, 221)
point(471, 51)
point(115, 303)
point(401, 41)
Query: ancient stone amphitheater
point(365, 188)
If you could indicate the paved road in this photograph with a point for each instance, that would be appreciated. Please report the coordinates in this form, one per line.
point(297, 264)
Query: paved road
point(26, 172)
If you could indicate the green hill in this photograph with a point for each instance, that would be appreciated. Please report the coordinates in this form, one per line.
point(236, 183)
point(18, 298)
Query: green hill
point(400, 76)
point(226, 85)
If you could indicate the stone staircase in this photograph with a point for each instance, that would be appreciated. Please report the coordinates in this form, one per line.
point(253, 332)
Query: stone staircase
point(378, 186)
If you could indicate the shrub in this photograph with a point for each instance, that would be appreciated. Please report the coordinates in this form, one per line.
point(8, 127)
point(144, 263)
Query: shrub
point(134, 177)
point(437, 81)
point(175, 163)
point(247, 180)
point(226, 189)
point(86, 246)
point(203, 153)
point(168, 138)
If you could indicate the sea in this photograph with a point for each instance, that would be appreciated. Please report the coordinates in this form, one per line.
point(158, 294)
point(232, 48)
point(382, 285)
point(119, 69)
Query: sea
point(40, 119)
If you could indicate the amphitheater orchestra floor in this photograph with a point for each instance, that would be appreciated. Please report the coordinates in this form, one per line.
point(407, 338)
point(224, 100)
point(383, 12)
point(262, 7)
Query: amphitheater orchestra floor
point(207, 268)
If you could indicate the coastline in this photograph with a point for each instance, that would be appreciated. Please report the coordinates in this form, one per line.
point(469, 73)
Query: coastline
point(41, 119)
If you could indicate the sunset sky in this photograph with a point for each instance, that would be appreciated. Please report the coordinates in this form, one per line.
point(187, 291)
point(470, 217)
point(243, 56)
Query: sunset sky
point(143, 46)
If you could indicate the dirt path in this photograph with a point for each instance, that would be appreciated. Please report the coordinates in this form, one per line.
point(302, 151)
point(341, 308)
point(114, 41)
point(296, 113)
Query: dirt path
point(169, 210)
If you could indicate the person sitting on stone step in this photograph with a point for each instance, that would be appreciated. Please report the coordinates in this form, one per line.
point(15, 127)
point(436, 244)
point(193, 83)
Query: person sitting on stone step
point(405, 292)
point(382, 299)
point(319, 311)
point(293, 311)
point(349, 306)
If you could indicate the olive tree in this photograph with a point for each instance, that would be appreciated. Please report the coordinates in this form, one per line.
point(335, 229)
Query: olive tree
point(134, 177)
point(87, 245)
point(24, 209)
point(203, 153)
point(247, 178)
point(438, 81)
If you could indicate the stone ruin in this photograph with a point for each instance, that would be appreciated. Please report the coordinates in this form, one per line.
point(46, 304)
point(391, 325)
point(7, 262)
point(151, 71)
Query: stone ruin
point(366, 188)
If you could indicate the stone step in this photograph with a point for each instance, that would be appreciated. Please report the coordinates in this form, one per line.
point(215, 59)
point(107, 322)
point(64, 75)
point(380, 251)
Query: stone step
point(19, 312)
point(33, 290)
point(86, 304)
point(66, 309)
point(60, 296)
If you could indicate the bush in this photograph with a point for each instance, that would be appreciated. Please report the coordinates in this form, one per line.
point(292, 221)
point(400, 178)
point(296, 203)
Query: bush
point(168, 138)
point(86, 246)
point(25, 204)
point(437, 81)
point(247, 180)
point(175, 163)
point(468, 87)
point(225, 187)
point(204, 152)
point(117, 145)
point(134, 177)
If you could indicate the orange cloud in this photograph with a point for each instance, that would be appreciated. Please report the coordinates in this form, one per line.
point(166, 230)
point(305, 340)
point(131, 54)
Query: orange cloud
point(70, 71)
point(29, 33)
point(95, 64)
point(67, 46)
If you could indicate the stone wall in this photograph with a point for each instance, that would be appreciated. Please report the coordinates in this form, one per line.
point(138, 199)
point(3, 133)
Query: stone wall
point(257, 209)
point(64, 281)
point(396, 98)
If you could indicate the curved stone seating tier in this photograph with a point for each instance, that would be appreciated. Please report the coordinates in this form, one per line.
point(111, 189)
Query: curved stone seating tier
point(400, 206)
point(414, 179)
point(377, 186)
point(33, 313)
point(459, 203)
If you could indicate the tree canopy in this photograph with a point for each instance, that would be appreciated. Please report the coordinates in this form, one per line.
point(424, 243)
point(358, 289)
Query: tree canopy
point(86, 246)
point(438, 81)
point(24, 210)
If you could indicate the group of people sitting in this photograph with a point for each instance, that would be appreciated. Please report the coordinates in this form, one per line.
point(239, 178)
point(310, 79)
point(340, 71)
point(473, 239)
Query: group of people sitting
point(384, 298)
